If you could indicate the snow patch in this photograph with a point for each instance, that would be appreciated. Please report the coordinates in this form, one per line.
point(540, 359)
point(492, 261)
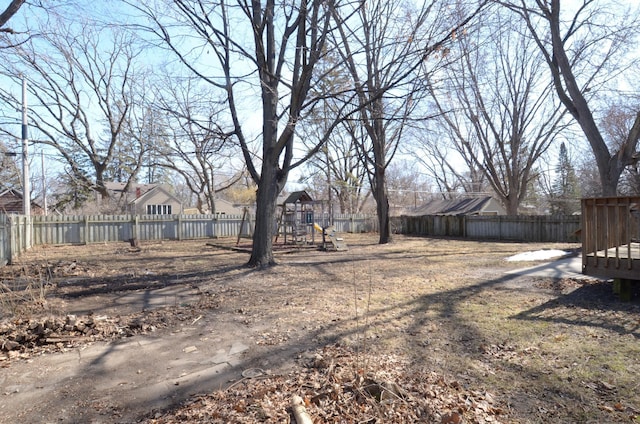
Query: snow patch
point(538, 255)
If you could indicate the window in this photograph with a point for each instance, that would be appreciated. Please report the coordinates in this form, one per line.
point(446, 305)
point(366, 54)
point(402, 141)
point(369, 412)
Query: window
point(159, 210)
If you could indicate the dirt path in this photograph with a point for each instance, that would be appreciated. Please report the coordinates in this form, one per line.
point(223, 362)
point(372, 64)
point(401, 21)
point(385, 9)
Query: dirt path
point(180, 319)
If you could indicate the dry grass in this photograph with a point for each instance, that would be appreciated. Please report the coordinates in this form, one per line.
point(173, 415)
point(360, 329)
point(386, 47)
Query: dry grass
point(549, 351)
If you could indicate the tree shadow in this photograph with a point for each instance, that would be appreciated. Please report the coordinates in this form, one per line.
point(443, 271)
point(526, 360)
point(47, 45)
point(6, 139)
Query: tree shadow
point(446, 307)
point(592, 304)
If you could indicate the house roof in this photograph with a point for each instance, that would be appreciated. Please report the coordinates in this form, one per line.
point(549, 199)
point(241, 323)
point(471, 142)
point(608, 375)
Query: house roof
point(464, 206)
point(226, 207)
point(119, 187)
point(145, 195)
point(11, 201)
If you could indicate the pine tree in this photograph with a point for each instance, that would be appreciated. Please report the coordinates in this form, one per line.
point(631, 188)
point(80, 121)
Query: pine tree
point(565, 193)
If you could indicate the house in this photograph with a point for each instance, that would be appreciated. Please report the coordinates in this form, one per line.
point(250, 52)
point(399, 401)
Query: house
point(11, 203)
point(224, 207)
point(119, 190)
point(156, 201)
point(146, 199)
point(486, 205)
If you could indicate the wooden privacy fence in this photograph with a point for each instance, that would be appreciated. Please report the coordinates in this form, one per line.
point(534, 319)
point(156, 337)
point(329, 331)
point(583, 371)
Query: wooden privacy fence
point(18, 233)
point(355, 223)
point(15, 236)
point(539, 229)
point(87, 229)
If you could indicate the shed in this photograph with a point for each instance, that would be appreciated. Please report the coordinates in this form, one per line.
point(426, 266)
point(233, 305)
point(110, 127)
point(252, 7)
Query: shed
point(11, 202)
point(486, 205)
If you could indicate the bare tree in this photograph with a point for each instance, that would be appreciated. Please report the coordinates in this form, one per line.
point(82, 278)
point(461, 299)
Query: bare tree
point(498, 107)
point(195, 144)
point(336, 172)
point(384, 44)
point(585, 47)
point(82, 92)
point(273, 61)
point(408, 189)
point(619, 118)
point(451, 170)
point(9, 169)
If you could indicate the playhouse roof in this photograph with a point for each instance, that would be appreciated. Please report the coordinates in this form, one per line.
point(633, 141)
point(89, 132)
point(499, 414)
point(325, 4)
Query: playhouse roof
point(298, 197)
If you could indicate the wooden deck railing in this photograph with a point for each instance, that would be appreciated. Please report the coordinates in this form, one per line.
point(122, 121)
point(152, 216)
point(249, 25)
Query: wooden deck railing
point(611, 237)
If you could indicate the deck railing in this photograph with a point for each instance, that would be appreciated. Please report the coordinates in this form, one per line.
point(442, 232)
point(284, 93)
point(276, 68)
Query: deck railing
point(611, 237)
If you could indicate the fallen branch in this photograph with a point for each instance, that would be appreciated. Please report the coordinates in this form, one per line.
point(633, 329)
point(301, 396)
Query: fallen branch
point(299, 411)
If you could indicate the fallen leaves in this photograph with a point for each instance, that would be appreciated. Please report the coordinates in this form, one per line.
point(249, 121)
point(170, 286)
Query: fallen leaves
point(333, 388)
point(25, 337)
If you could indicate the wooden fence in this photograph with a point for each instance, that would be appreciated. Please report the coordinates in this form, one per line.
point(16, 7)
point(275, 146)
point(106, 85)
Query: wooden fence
point(87, 229)
point(15, 236)
point(539, 229)
point(18, 233)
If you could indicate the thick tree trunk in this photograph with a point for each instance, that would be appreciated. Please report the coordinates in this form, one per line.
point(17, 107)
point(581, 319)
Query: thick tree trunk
point(382, 207)
point(511, 203)
point(272, 180)
point(610, 177)
point(266, 205)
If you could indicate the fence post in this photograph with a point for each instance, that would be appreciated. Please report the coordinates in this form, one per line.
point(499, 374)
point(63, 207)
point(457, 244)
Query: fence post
point(86, 229)
point(9, 241)
point(464, 226)
point(179, 227)
point(134, 230)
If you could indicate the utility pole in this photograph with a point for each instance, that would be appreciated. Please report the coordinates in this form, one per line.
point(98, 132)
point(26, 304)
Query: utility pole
point(44, 183)
point(26, 187)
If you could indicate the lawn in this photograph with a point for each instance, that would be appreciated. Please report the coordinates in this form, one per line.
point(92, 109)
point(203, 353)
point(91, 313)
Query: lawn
point(427, 330)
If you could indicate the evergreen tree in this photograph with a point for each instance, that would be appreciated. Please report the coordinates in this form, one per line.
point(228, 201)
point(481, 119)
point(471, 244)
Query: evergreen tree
point(565, 192)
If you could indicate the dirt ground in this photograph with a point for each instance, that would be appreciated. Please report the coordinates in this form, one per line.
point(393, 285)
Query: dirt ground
point(420, 330)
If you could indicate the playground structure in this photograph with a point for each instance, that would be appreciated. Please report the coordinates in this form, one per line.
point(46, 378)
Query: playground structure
point(302, 219)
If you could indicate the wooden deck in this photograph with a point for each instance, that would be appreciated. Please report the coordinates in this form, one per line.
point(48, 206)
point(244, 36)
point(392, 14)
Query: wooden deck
point(611, 237)
point(615, 262)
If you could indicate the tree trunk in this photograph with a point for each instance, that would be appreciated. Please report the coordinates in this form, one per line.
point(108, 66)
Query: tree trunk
point(266, 204)
point(610, 167)
point(272, 180)
point(610, 178)
point(382, 206)
point(511, 203)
